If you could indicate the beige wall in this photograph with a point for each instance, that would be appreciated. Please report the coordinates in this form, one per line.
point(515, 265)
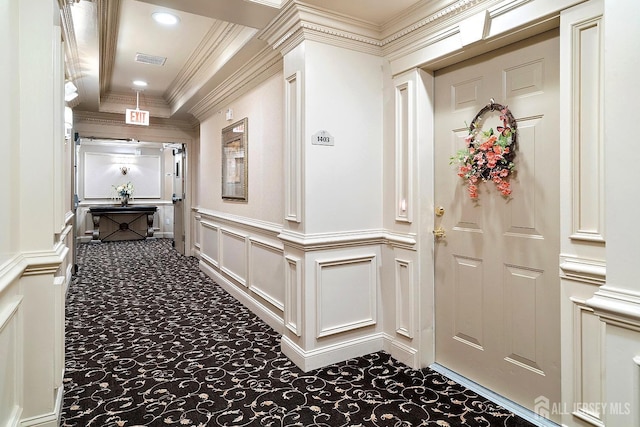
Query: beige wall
point(263, 107)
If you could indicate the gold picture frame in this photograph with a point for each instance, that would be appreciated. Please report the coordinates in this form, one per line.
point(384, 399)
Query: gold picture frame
point(235, 161)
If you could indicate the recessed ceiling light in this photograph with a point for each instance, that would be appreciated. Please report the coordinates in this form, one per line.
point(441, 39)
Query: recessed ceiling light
point(165, 18)
point(140, 83)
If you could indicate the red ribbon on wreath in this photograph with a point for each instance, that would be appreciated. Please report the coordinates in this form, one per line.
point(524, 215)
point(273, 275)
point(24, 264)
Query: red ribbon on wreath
point(489, 155)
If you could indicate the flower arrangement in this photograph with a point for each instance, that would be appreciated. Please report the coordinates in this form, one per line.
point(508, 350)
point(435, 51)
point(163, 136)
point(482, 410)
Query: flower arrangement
point(489, 155)
point(124, 191)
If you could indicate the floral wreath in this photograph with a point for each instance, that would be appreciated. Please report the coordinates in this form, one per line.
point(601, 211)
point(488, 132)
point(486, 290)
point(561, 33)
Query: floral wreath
point(488, 156)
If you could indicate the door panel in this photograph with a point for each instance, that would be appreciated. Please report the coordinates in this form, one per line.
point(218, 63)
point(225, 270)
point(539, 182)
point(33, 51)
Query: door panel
point(496, 270)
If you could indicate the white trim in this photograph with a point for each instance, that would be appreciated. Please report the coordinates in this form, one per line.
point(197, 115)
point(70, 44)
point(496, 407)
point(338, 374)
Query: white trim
point(518, 410)
point(293, 307)
point(617, 307)
point(257, 243)
point(51, 419)
point(401, 352)
point(268, 316)
point(9, 312)
point(239, 221)
point(408, 330)
point(583, 270)
point(370, 260)
point(323, 356)
point(294, 146)
point(238, 237)
point(404, 144)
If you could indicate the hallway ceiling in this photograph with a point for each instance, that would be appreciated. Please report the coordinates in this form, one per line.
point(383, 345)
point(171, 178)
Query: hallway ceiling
point(211, 40)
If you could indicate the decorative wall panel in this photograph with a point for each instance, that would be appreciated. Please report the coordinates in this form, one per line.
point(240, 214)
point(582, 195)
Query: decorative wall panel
point(233, 255)
point(10, 364)
point(405, 119)
point(293, 148)
point(588, 339)
point(346, 294)
point(144, 173)
point(587, 141)
point(266, 272)
point(209, 250)
point(293, 302)
point(405, 296)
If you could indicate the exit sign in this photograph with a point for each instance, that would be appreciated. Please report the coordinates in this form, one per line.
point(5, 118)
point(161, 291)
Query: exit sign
point(137, 117)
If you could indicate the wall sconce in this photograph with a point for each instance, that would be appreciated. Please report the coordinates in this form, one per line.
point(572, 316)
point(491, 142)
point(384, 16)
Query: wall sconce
point(124, 164)
point(70, 91)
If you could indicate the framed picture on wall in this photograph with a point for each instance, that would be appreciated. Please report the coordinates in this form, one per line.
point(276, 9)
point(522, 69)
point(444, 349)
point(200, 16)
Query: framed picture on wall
point(235, 161)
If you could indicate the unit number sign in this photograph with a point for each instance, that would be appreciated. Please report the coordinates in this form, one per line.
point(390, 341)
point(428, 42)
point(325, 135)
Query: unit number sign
point(322, 138)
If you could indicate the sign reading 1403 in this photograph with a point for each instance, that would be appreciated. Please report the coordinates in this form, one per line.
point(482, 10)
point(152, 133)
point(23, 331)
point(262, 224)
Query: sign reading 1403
point(322, 138)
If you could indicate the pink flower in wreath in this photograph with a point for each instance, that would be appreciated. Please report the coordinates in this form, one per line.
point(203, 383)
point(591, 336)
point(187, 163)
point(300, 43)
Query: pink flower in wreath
point(473, 191)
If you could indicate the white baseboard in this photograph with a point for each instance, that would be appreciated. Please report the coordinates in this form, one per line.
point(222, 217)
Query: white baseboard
point(269, 317)
point(323, 356)
point(517, 409)
point(47, 420)
point(401, 352)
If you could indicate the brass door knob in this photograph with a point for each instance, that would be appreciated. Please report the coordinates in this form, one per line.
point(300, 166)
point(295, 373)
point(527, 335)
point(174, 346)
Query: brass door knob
point(439, 233)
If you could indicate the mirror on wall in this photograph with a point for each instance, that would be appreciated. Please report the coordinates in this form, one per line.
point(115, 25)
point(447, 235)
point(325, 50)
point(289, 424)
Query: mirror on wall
point(235, 161)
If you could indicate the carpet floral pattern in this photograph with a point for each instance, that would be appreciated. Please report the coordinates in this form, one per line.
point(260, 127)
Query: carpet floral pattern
point(152, 341)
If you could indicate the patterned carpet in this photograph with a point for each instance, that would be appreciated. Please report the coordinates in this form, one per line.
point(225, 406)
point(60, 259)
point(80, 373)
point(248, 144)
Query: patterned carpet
point(152, 341)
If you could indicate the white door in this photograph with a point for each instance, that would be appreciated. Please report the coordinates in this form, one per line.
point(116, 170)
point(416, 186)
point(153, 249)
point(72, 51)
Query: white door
point(178, 200)
point(496, 269)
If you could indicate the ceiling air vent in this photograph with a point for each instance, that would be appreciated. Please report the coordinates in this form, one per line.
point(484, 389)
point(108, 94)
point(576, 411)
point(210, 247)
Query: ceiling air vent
point(150, 59)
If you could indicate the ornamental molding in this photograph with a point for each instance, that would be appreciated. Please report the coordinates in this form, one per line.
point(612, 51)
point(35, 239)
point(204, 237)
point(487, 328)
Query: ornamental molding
point(223, 38)
point(108, 23)
point(299, 19)
point(262, 66)
point(616, 306)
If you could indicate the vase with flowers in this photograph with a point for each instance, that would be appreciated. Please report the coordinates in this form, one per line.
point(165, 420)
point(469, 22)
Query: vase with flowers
point(124, 192)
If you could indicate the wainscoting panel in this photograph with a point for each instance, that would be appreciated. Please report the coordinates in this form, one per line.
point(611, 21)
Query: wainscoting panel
point(346, 294)
point(588, 142)
point(293, 147)
point(405, 296)
point(233, 255)
point(197, 233)
point(266, 272)
point(293, 294)
point(210, 243)
point(588, 365)
point(405, 117)
point(10, 359)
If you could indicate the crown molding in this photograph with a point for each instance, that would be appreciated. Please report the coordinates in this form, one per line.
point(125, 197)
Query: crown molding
point(108, 23)
point(299, 21)
point(262, 66)
point(72, 59)
point(222, 41)
point(118, 102)
point(434, 13)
